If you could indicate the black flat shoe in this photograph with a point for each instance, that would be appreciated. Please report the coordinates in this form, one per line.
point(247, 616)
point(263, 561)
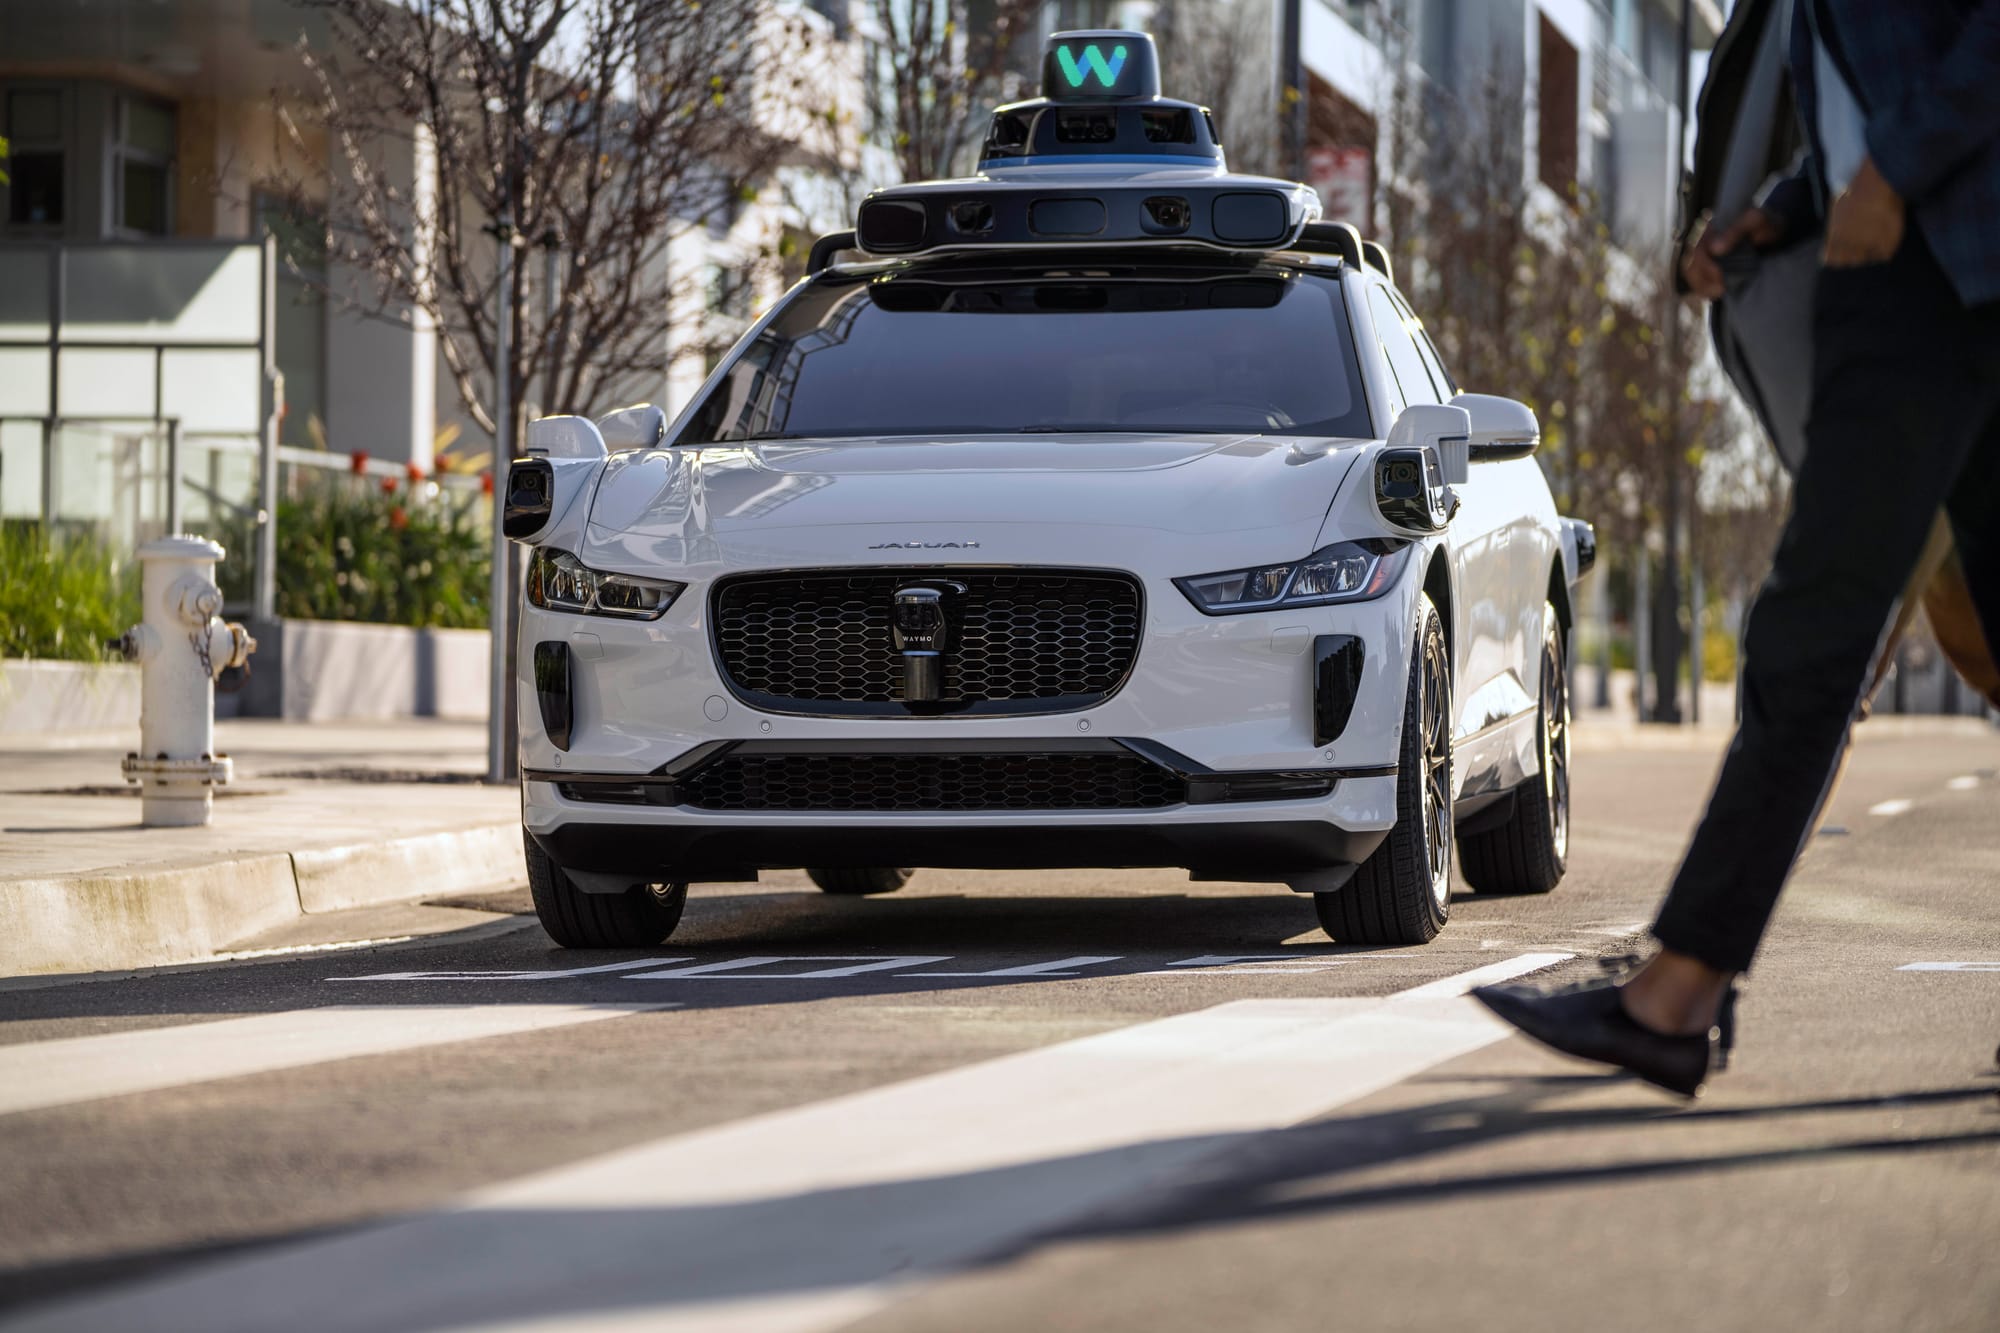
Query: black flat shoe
point(1619, 968)
point(1591, 1023)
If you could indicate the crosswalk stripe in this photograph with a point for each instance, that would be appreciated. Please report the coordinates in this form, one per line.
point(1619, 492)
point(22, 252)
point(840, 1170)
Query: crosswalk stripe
point(37, 1075)
point(808, 1218)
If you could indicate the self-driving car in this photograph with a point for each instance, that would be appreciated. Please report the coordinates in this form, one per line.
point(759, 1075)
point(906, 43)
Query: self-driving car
point(1101, 509)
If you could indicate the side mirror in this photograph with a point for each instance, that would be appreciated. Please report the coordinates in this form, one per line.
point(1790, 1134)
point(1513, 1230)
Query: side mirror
point(1501, 428)
point(642, 426)
point(1416, 470)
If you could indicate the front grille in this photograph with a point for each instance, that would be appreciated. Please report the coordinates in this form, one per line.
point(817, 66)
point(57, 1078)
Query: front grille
point(943, 781)
point(1020, 640)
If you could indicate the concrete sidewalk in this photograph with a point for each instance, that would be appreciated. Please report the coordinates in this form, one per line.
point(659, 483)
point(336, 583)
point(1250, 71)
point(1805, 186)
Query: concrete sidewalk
point(321, 817)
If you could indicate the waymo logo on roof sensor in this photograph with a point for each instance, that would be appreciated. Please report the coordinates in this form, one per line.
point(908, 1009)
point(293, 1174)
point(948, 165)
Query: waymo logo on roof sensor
point(1093, 63)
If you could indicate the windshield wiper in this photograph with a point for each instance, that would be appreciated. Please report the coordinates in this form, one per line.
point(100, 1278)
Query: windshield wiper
point(1081, 428)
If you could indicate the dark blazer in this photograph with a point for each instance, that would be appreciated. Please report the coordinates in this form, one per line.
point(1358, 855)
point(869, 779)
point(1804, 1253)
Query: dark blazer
point(1927, 75)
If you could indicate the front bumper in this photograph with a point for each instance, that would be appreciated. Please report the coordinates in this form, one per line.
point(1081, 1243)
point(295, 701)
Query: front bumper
point(1225, 702)
point(1299, 827)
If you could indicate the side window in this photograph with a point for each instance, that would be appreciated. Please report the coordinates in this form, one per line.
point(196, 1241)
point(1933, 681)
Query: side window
point(1447, 387)
point(1405, 361)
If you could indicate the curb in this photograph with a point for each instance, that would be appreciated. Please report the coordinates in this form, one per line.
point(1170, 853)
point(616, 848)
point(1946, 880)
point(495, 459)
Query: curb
point(111, 920)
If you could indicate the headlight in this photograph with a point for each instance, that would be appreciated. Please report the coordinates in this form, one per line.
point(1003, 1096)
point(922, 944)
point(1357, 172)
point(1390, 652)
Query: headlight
point(1346, 572)
point(558, 581)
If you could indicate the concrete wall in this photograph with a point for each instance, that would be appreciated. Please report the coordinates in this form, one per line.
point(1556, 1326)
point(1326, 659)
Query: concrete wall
point(39, 697)
point(327, 669)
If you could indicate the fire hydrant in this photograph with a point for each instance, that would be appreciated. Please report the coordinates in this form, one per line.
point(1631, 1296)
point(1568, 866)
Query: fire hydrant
point(181, 647)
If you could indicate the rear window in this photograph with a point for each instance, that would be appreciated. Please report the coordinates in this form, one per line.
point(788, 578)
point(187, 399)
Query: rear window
point(941, 353)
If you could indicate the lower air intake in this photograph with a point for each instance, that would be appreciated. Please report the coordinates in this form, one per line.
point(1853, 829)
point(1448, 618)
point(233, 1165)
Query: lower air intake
point(945, 781)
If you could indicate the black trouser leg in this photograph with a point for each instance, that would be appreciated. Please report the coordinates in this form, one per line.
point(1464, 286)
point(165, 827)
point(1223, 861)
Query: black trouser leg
point(1974, 508)
point(1903, 388)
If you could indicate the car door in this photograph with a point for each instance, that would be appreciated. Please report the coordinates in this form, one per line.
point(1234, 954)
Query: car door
point(1478, 544)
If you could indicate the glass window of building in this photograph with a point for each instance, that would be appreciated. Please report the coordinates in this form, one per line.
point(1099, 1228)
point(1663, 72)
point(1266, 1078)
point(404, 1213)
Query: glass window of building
point(36, 162)
point(144, 156)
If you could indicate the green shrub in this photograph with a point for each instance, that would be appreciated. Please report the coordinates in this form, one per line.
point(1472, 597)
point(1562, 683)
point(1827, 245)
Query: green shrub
point(349, 549)
point(63, 596)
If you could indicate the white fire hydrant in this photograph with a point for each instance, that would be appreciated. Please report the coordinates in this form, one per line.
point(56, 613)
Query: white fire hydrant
point(181, 646)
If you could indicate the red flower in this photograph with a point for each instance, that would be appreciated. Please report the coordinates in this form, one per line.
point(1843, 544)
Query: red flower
point(357, 462)
point(398, 519)
point(486, 483)
point(415, 473)
point(388, 485)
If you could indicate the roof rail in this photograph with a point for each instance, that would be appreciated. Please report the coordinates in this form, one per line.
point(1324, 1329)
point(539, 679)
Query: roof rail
point(825, 248)
point(1331, 238)
point(1378, 259)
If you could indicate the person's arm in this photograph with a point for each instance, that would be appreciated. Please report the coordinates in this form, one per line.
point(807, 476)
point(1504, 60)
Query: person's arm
point(1946, 116)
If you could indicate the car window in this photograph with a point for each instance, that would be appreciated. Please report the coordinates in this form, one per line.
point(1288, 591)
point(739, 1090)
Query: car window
point(1447, 388)
point(943, 351)
point(1412, 378)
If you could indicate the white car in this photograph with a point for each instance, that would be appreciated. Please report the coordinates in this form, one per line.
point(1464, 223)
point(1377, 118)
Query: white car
point(1108, 510)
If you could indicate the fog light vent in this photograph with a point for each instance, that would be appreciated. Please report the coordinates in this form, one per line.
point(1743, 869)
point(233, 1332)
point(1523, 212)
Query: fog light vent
point(552, 691)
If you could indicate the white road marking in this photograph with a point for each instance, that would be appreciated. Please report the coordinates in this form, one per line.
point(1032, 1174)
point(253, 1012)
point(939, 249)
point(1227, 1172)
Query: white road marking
point(517, 974)
point(757, 967)
point(37, 1075)
point(1251, 965)
point(1896, 807)
point(739, 969)
point(1989, 965)
point(1058, 967)
point(809, 1218)
point(1966, 783)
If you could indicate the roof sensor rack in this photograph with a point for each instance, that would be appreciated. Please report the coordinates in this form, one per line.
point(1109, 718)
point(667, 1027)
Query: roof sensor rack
point(1100, 159)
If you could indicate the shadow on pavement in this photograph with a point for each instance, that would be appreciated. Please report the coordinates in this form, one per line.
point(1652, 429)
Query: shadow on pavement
point(518, 1263)
point(1142, 934)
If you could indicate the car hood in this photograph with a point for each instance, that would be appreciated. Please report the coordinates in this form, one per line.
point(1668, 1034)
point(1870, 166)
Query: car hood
point(1057, 498)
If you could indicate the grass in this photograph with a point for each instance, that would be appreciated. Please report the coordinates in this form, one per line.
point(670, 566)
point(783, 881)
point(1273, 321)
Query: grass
point(62, 596)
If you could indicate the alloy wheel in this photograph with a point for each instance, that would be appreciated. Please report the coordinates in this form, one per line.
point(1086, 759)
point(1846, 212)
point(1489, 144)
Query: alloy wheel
point(1555, 744)
point(1436, 715)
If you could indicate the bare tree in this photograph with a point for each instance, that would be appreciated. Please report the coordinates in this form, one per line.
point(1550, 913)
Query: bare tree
point(606, 127)
point(1221, 54)
point(941, 73)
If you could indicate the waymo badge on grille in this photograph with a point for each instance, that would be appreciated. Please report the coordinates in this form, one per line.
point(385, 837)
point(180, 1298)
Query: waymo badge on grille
point(920, 632)
point(1093, 62)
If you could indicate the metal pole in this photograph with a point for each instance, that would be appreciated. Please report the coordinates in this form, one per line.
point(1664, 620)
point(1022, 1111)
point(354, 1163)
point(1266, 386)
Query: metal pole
point(1292, 92)
point(173, 476)
point(266, 585)
point(501, 591)
point(52, 424)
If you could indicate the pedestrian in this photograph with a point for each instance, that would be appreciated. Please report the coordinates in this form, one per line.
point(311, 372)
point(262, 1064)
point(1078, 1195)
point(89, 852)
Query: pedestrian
point(1900, 106)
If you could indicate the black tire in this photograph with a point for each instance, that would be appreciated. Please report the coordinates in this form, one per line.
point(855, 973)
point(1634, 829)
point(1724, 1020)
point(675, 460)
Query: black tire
point(638, 918)
point(1402, 893)
point(861, 883)
point(1529, 852)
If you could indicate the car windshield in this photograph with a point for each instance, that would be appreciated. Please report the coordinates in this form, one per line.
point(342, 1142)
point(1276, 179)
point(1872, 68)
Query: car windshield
point(952, 352)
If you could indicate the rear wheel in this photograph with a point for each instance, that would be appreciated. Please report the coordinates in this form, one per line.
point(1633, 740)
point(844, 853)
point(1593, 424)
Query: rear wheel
point(860, 883)
point(1402, 893)
point(637, 918)
point(1529, 852)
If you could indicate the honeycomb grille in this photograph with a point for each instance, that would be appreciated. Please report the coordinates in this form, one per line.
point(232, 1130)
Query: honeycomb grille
point(824, 639)
point(841, 782)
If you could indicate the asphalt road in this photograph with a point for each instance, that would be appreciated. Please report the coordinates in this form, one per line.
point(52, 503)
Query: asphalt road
point(1060, 1100)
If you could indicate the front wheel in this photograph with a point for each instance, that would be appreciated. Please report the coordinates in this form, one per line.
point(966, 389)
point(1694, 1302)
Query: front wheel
point(1529, 852)
point(638, 918)
point(1402, 893)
